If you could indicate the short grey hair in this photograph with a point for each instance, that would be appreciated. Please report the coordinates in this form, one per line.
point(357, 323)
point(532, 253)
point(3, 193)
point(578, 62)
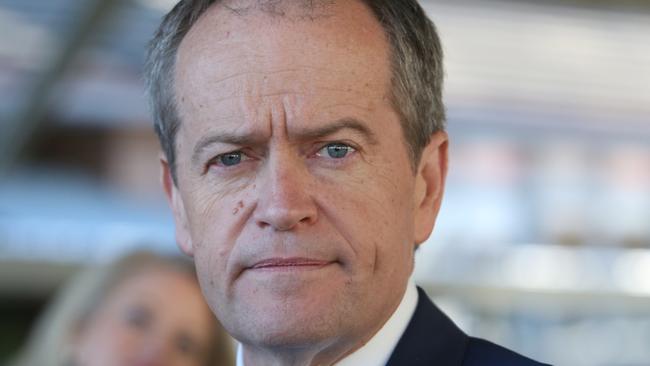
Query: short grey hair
point(416, 61)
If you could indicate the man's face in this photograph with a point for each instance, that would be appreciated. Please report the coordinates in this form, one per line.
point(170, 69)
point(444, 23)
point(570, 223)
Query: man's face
point(295, 191)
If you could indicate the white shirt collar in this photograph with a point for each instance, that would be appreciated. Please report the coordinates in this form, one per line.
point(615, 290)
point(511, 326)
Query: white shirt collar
point(378, 349)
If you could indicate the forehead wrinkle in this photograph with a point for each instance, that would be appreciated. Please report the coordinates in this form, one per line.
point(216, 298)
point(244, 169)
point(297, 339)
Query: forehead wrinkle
point(239, 95)
point(266, 73)
point(258, 85)
point(349, 105)
point(259, 80)
point(291, 93)
point(281, 115)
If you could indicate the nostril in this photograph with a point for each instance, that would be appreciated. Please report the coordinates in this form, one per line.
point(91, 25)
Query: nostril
point(283, 220)
point(283, 208)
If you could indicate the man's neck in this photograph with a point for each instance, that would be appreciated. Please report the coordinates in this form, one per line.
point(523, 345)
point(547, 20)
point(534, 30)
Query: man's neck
point(254, 356)
point(323, 354)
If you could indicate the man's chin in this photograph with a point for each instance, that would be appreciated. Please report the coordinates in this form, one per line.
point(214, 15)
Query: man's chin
point(291, 311)
point(283, 331)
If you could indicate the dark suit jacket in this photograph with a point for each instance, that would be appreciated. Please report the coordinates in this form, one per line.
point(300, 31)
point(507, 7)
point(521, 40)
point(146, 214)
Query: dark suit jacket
point(432, 339)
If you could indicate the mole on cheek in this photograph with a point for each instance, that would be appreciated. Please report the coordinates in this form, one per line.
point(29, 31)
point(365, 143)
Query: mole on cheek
point(239, 206)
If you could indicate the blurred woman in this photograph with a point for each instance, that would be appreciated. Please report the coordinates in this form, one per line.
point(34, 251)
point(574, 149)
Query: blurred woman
point(142, 310)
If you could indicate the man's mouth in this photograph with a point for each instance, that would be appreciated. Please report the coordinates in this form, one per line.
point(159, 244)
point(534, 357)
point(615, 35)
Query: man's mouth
point(289, 264)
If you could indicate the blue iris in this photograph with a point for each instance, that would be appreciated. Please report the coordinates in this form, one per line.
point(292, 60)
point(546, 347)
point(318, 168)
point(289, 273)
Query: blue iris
point(337, 151)
point(230, 159)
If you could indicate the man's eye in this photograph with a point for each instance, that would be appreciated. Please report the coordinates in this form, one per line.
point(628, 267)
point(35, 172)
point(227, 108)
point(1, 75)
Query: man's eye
point(335, 151)
point(230, 159)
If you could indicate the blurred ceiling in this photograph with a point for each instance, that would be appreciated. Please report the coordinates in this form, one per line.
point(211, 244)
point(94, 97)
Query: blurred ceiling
point(71, 61)
point(535, 66)
point(580, 67)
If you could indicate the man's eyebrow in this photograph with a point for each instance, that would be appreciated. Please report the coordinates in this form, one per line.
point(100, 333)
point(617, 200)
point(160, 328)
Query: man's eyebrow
point(224, 138)
point(334, 127)
point(305, 134)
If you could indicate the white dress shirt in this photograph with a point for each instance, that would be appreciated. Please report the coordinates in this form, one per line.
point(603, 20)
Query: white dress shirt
point(378, 349)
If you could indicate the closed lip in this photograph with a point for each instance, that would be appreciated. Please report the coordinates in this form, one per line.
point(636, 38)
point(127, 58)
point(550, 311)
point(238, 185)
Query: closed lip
point(289, 263)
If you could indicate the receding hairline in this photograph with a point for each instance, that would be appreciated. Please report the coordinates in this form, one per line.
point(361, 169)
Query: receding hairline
point(291, 12)
point(303, 9)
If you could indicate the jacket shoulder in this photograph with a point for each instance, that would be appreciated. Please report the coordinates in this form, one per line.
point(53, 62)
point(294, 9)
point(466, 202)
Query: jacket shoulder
point(432, 338)
point(485, 353)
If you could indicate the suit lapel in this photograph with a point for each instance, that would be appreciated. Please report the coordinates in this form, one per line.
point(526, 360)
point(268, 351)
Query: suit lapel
point(431, 338)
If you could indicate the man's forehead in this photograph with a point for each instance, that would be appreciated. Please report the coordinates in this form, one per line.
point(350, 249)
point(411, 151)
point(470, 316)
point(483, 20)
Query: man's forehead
point(223, 48)
point(236, 72)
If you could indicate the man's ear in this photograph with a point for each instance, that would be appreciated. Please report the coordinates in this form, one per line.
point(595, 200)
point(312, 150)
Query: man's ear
point(430, 185)
point(175, 200)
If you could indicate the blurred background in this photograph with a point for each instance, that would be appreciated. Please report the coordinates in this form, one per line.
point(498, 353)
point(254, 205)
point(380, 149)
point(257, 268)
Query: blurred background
point(543, 240)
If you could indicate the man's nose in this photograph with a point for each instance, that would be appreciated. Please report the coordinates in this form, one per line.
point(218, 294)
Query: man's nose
point(285, 196)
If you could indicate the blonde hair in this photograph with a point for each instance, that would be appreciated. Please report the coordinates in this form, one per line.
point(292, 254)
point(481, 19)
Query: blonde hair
point(50, 342)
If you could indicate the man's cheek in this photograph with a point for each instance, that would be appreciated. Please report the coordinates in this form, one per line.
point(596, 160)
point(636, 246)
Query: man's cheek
point(207, 209)
point(211, 267)
point(345, 184)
